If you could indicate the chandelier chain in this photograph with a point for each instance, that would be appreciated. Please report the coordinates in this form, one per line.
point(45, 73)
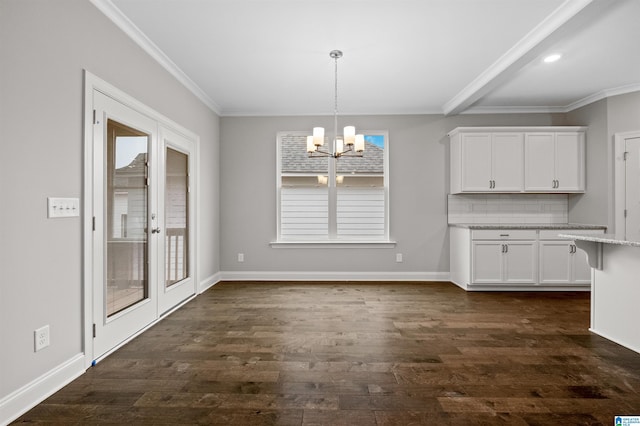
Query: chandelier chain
point(335, 108)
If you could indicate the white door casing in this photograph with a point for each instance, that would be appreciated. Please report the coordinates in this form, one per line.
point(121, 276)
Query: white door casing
point(632, 187)
point(103, 101)
point(627, 184)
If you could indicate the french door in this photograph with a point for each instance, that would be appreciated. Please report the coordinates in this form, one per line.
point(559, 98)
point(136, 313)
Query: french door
point(142, 211)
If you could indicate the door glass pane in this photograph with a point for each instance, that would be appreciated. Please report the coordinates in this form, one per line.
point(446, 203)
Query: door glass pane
point(177, 217)
point(126, 210)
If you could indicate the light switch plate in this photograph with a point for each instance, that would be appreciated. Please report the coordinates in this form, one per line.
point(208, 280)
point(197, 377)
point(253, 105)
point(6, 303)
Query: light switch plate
point(63, 207)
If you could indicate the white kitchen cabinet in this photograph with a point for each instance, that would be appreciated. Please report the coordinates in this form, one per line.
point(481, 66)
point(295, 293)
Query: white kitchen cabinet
point(554, 162)
point(517, 159)
point(561, 262)
point(510, 259)
point(488, 162)
point(517, 259)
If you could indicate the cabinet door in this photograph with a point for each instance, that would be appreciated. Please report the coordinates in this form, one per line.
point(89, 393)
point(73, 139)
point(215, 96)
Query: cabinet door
point(569, 161)
point(520, 262)
point(507, 153)
point(486, 262)
point(539, 168)
point(476, 162)
point(555, 262)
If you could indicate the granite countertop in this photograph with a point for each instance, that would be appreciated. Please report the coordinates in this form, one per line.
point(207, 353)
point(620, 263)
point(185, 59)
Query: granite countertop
point(604, 238)
point(576, 226)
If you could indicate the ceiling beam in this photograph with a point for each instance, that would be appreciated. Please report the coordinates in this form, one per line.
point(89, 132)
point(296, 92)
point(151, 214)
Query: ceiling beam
point(572, 15)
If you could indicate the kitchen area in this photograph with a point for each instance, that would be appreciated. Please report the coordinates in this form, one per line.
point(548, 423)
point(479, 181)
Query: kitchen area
point(509, 228)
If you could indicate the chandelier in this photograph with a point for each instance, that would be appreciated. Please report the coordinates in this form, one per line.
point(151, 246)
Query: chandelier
point(347, 145)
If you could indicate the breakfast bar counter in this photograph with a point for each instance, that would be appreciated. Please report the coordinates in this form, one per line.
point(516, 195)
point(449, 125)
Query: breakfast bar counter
point(615, 286)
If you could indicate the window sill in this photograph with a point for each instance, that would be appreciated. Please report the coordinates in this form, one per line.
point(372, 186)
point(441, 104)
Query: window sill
point(332, 244)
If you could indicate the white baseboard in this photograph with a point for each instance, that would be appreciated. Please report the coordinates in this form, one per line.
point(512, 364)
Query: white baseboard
point(22, 400)
point(209, 282)
point(331, 276)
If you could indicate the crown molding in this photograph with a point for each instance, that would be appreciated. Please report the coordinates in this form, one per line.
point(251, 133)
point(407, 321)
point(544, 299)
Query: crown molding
point(112, 12)
point(513, 110)
point(607, 93)
point(513, 59)
point(238, 113)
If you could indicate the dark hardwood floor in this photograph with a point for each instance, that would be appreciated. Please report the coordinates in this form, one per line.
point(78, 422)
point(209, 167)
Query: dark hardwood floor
point(259, 353)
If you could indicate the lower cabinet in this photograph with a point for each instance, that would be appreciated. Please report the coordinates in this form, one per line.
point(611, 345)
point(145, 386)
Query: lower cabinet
point(508, 262)
point(518, 259)
point(503, 257)
point(561, 262)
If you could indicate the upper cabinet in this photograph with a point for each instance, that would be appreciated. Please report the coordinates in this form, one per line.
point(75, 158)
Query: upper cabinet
point(517, 159)
point(554, 162)
point(491, 162)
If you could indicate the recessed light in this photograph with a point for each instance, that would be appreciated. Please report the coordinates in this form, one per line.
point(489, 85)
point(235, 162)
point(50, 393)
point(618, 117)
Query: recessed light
point(552, 58)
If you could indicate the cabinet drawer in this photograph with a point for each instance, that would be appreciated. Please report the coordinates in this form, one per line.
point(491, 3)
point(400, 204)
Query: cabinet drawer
point(552, 234)
point(504, 234)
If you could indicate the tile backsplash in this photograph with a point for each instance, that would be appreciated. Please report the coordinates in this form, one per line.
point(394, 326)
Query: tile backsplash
point(508, 208)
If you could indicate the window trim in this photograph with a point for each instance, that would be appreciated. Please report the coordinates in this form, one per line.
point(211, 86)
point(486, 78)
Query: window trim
point(332, 240)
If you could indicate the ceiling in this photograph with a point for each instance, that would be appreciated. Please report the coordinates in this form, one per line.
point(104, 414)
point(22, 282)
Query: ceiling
point(271, 57)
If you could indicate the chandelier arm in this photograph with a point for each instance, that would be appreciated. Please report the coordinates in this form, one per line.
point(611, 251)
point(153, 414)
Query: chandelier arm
point(321, 154)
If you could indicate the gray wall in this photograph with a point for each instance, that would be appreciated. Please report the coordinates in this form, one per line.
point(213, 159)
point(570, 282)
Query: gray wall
point(623, 115)
point(44, 47)
point(419, 183)
point(605, 118)
point(591, 207)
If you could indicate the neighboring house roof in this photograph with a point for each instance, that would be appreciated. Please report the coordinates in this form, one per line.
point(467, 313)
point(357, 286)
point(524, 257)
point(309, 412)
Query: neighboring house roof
point(295, 159)
point(135, 168)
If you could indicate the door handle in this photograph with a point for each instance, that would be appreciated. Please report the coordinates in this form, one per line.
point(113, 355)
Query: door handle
point(155, 230)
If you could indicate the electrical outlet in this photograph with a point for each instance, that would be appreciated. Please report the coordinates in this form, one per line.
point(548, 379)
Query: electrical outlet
point(41, 338)
point(240, 257)
point(399, 257)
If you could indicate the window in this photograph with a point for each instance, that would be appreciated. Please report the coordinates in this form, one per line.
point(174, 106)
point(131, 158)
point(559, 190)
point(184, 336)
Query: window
point(323, 199)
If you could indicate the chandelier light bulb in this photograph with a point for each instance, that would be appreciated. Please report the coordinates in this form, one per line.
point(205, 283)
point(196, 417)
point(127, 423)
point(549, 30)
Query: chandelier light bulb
point(318, 136)
point(349, 135)
point(310, 145)
point(359, 143)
